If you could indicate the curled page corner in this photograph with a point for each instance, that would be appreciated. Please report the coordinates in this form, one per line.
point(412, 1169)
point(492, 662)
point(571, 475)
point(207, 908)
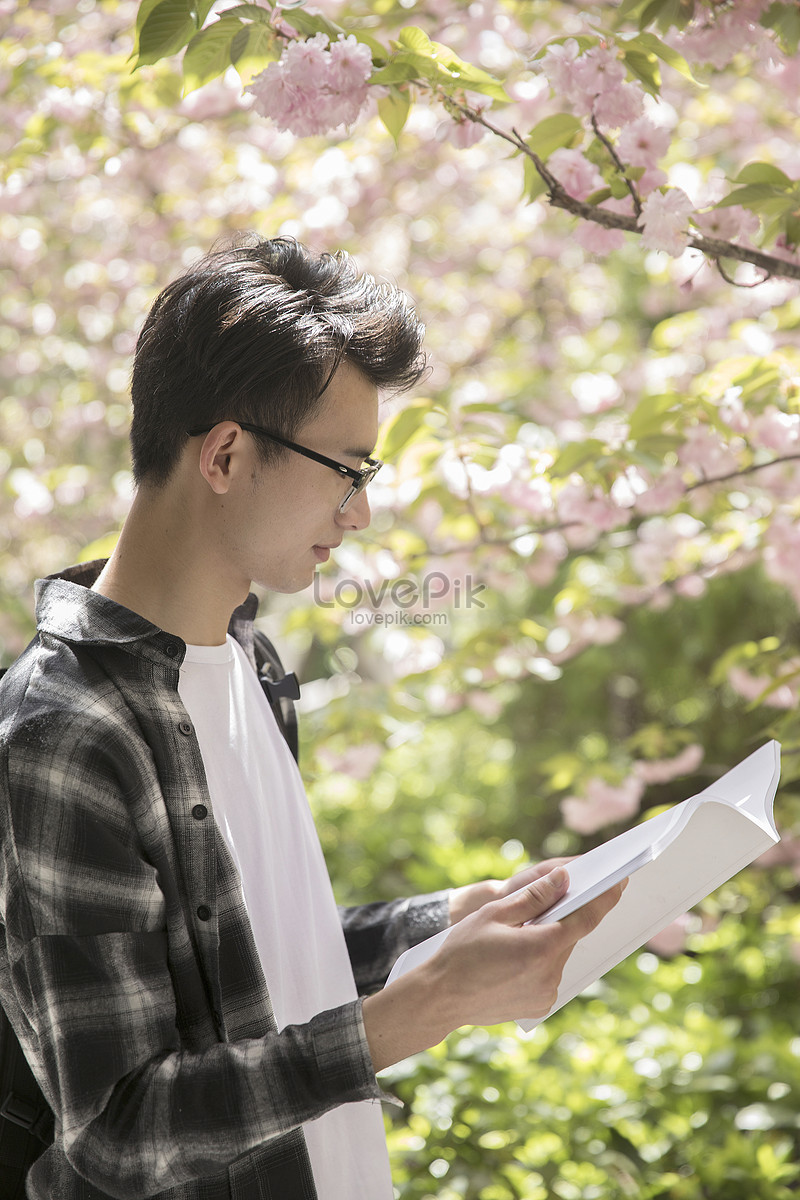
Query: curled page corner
point(673, 861)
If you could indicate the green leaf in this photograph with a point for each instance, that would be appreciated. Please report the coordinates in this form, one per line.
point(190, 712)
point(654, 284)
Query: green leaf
point(619, 188)
point(785, 20)
point(629, 8)
point(416, 39)
point(645, 67)
point(393, 110)
point(654, 446)
point(650, 44)
point(310, 23)
point(577, 454)
point(442, 65)
point(533, 185)
point(760, 197)
point(209, 53)
point(584, 43)
point(650, 415)
point(561, 129)
point(402, 427)
point(254, 12)
point(397, 70)
point(600, 195)
point(762, 172)
point(253, 47)
point(665, 13)
point(792, 228)
point(166, 30)
point(143, 12)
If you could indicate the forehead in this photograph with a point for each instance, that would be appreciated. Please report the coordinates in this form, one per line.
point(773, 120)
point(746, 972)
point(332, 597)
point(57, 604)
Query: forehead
point(348, 416)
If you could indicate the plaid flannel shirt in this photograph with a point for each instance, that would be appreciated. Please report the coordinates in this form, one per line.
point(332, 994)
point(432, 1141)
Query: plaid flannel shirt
point(127, 962)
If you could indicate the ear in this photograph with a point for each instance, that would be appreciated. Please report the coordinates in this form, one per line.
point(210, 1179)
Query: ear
point(220, 454)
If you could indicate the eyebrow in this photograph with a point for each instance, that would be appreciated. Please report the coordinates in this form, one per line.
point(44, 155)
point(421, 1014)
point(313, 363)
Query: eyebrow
point(358, 453)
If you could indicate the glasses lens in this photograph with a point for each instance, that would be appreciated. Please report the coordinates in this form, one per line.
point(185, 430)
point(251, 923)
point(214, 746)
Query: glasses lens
point(367, 475)
point(351, 495)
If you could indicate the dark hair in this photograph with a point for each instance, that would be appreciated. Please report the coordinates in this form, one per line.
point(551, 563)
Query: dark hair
point(253, 332)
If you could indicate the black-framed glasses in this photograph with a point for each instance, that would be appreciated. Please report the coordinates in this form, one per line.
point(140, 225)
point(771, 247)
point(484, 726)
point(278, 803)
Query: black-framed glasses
point(359, 478)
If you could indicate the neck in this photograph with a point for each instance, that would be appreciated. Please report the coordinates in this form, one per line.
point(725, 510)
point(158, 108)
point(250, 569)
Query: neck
point(164, 569)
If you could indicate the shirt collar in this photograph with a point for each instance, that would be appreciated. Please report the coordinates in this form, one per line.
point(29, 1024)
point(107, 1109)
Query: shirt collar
point(68, 609)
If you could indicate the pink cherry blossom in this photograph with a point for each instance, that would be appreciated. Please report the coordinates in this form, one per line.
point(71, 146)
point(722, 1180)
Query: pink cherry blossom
point(663, 495)
point(597, 239)
point(778, 431)
point(601, 804)
point(691, 587)
point(358, 762)
point(597, 72)
point(786, 852)
point(750, 687)
point(463, 133)
point(620, 106)
point(672, 939)
point(663, 221)
point(732, 411)
point(578, 176)
point(598, 511)
point(314, 87)
point(705, 450)
point(652, 178)
point(782, 551)
point(719, 40)
point(559, 69)
point(531, 496)
point(663, 770)
point(727, 224)
point(643, 144)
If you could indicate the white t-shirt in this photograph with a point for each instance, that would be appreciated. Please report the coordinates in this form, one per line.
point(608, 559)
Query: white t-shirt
point(261, 809)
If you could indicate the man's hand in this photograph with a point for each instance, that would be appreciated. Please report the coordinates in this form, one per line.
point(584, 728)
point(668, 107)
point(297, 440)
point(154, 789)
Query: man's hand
point(493, 966)
point(469, 899)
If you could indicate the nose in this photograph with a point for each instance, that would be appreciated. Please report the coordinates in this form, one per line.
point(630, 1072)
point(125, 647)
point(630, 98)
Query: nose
point(358, 514)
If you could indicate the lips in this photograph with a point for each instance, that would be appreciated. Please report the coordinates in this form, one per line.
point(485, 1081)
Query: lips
point(323, 553)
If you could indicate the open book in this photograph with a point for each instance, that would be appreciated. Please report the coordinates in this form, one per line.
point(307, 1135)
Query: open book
point(673, 860)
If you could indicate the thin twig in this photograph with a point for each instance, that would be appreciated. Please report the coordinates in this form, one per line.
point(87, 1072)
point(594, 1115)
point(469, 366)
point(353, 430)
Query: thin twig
point(559, 197)
point(619, 164)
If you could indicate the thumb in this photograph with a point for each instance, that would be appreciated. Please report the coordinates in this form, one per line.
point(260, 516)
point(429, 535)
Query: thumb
point(535, 898)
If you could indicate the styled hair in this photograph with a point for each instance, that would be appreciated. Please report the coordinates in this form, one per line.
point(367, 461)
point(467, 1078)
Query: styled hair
point(253, 332)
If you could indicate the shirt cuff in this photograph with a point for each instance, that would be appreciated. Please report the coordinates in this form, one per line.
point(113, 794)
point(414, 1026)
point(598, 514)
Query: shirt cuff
point(427, 915)
point(341, 1055)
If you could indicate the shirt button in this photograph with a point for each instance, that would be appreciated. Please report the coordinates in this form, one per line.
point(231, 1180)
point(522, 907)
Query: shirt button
point(171, 649)
point(199, 812)
point(204, 912)
point(185, 727)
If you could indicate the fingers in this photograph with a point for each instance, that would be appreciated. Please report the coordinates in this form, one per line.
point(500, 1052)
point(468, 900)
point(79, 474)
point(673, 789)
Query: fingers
point(534, 898)
point(535, 871)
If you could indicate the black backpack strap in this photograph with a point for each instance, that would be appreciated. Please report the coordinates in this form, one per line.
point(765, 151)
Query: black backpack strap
point(26, 1120)
point(280, 688)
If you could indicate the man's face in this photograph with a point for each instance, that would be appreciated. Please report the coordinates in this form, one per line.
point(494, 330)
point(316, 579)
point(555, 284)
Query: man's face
point(290, 521)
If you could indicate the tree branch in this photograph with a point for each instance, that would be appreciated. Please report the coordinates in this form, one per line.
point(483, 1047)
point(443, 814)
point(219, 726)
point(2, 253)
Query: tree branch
point(619, 164)
point(559, 197)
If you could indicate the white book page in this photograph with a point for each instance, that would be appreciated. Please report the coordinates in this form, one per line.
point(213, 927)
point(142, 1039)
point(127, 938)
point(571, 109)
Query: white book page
point(673, 861)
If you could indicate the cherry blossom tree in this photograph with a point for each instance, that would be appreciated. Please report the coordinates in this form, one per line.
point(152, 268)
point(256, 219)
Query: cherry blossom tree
point(578, 599)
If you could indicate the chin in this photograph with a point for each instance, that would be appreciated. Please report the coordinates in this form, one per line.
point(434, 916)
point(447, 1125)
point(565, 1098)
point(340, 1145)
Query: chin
point(286, 587)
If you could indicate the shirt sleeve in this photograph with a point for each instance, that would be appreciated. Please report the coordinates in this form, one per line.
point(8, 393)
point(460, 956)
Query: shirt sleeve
point(142, 1104)
point(377, 934)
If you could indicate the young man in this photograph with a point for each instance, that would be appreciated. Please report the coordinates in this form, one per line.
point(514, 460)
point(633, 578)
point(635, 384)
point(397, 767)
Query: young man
point(172, 960)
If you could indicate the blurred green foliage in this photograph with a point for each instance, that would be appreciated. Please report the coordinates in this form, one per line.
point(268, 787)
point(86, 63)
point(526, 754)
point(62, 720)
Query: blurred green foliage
point(440, 754)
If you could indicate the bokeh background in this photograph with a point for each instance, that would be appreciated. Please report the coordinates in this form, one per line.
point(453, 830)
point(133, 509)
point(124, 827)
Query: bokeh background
point(577, 600)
